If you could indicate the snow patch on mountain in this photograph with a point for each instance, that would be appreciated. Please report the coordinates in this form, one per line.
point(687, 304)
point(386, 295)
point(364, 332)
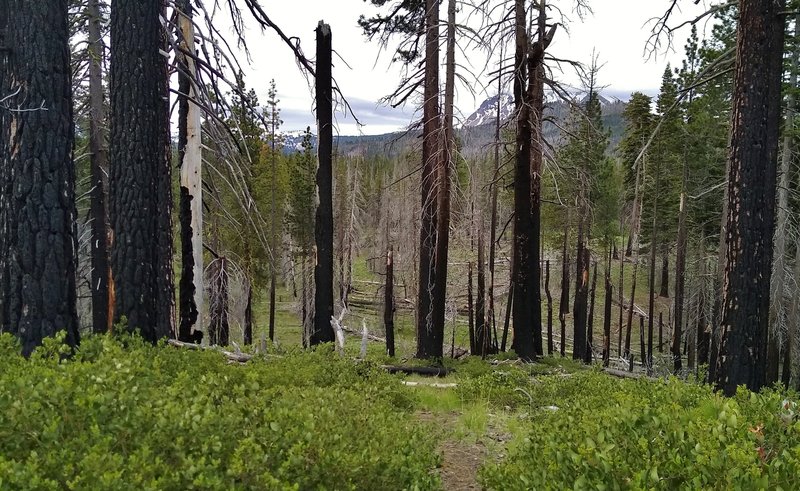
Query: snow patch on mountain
point(487, 112)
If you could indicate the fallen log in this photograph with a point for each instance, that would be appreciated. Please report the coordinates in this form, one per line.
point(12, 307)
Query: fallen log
point(237, 357)
point(423, 384)
point(411, 370)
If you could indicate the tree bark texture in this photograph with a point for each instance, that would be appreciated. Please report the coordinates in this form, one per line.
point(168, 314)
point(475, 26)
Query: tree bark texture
point(483, 334)
point(587, 356)
point(140, 187)
point(38, 242)
point(323, 223)
point(191, 197)
point(388, 303)
point(751, 195)
point(607, 321)
point(549, 308)
point(430, 337)
point(579, 310)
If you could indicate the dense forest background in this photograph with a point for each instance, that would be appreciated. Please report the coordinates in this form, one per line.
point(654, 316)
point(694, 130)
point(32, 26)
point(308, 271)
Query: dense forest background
point(603, 217)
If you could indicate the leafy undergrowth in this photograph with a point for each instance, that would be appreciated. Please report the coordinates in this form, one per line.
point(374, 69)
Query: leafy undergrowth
point(591, 431)
point(121, 414)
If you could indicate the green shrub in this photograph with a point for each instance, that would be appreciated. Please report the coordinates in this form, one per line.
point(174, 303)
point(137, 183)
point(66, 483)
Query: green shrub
point(637, 434)
point(121, 414)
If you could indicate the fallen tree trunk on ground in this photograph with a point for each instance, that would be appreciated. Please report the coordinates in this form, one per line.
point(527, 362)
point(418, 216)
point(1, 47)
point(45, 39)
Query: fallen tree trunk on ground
point(411, 370)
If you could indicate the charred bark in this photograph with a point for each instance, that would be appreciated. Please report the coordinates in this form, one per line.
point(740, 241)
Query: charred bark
point(549, 308)
point(38, 241)
point(323, 223)
point(388, 303)
point(751, 195)
point(430, 337)
point(140, 184)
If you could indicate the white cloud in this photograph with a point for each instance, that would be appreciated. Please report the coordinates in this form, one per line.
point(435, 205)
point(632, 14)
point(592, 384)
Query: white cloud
point(617, 30)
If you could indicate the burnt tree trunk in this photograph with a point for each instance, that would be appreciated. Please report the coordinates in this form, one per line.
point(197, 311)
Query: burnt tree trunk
point(549, 308)
point(37, 174)
point(509, 305)
point(189, 158)
point(445, 162)
point(322, 331)
point(607, 321)
point(563, 307)
point(643, 348)
point(430, 337)
point(248, 318)
point(521, 273)
point(579, 310)
point(621, 303)
point(98, 163)
point(490, 315)
point(140, 184)
point(474, 346)
point(664, 292)
point(483, 334)
point(751, 195)
point(388, 303)
point(587, 358)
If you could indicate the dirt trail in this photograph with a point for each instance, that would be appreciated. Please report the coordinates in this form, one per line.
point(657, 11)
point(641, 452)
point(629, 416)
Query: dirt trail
point(460, 459)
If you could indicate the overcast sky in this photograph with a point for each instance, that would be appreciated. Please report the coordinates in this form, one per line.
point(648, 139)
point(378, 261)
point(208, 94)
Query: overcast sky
point(618, 31)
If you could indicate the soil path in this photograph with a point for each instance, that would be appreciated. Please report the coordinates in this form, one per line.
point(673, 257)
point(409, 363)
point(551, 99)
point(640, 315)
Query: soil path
point(460, 459)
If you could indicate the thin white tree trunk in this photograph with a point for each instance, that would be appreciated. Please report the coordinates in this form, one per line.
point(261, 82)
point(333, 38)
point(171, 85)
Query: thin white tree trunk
point(192, 172)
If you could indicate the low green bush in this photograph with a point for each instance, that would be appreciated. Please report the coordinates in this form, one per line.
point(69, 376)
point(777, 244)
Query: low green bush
point(121, 414)
point(591, 431)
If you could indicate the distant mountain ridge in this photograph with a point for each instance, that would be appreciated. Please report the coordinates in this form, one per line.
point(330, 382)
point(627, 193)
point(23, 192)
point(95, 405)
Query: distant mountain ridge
point(476, 132)
point(487, 111)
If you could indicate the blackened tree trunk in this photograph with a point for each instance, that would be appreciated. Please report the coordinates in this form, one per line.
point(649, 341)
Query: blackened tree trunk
point(751, 195)
point(190, 159)
point(37, 222)
point(474, 346)
point(140, 188)
point(522, 268)
point(430, 337)
point(536, 99)
point(664, 292)
point(643, 348)
point(607, 321)
point(579, 309)
point(490, 314)
point(445, 162)
point(587, 357)
point(272, 307)
point(549, 308)
point(388, 303)
point(323, 223)
point(563, 308)
point(481, 325)
point(248, 317)
point(509, 305)
point(621, 301)
point(98, 163)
